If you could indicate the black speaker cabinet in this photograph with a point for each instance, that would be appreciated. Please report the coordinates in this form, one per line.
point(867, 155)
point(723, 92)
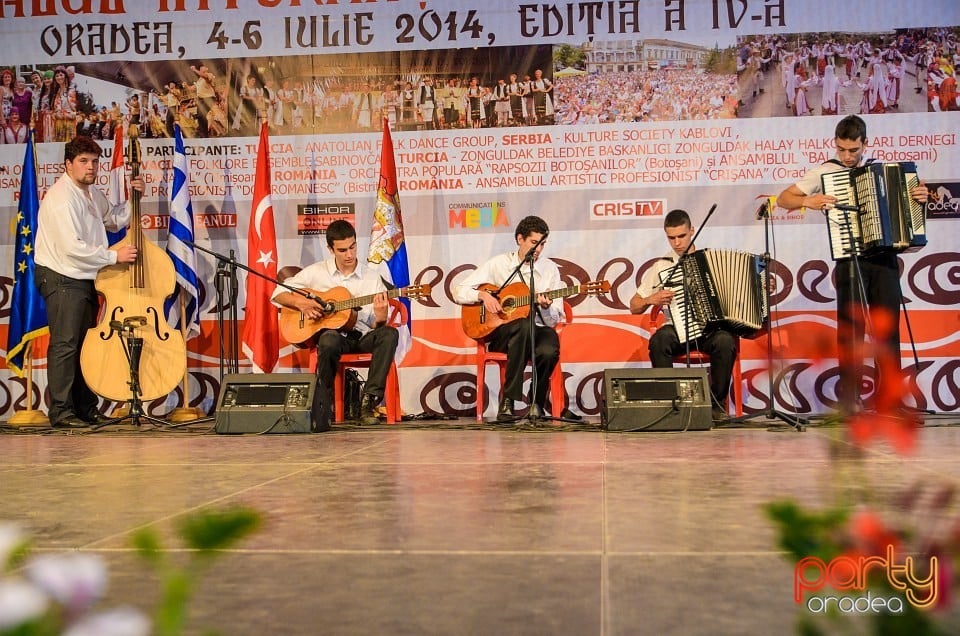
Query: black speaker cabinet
point(656, 400)
point(265, 403)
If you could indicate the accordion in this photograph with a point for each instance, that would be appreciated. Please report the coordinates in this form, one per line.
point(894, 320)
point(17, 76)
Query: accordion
point(717, 288)
point(887, 216)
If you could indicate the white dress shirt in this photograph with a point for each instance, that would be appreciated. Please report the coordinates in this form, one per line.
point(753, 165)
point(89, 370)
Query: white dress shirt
point(72, 229)
point(651, 279)
point(546, 277)
point(324, 275)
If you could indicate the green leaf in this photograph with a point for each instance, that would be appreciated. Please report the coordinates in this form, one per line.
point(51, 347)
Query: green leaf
point(148, 546)
point(218, 529)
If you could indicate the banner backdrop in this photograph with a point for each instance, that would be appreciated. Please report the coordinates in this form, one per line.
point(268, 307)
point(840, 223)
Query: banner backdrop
point(599, 117)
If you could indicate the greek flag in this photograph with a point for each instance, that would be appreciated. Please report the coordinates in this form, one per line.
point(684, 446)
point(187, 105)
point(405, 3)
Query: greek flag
point(28, 313)
point(181, 253)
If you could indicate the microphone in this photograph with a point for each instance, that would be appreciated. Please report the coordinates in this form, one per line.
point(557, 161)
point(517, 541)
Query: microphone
point(848, 208)
point(763, 210)
point(116, 325)
point(327, 306)
point(532, 252)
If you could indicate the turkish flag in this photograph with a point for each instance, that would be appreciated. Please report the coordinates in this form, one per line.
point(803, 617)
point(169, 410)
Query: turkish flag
point(261, 333)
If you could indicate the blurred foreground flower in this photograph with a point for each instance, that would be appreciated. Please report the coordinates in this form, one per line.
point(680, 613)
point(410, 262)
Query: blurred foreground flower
point(56, 594)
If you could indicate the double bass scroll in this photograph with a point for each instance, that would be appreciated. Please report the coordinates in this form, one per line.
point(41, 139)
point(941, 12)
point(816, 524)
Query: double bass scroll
point(133, 296)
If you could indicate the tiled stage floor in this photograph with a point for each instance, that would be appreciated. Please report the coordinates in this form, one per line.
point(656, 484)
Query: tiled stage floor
point(460, 530)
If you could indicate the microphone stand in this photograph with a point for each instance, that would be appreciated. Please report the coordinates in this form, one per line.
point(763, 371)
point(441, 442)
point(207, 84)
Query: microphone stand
point(133, 349)
point(858, 298)
point(771, 413)
point(227, 271)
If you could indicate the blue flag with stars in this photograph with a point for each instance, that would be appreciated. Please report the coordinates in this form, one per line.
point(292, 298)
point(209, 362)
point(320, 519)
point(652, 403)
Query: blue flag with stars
point(28, 313)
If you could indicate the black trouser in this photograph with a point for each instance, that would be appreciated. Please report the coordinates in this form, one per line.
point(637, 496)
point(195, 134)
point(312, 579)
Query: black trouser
point(71, 310)
point(513, 339)
point(331, 344)
point(881, 283)
point(720, 345)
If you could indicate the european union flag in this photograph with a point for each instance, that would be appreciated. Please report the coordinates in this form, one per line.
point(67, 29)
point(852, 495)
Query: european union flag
point(28, 313)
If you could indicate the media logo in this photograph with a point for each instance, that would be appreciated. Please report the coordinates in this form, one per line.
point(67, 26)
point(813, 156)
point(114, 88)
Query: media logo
point(477, 215)
point(944, 201)
point(315, 218)
point(626, 209)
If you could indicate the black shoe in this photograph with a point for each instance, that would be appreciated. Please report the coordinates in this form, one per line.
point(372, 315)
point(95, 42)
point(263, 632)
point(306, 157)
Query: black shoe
point(505, 413)
point(719, 415)
point(368, 410)
point(95, 418)
point(567, 414)
point(71, 421)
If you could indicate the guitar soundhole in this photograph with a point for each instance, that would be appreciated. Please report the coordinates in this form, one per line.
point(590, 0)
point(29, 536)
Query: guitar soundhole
point(508, 304)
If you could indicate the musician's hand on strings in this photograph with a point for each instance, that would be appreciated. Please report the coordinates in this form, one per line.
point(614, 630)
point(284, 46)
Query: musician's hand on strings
point(137, 184)
point(543, 301)
point(490, 302)
point(311, 308)
point(380, 307)
point(125, 253)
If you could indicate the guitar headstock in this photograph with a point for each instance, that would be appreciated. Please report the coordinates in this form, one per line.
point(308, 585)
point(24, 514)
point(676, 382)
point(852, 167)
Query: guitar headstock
point(417, 291)
point(595, 287)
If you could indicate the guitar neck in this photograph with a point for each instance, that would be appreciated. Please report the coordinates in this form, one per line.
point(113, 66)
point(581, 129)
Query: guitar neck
point(360, 301)
point(563, 292)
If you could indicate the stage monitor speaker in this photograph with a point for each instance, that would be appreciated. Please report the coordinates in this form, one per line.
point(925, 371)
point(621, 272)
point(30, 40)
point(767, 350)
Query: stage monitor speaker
point(656, 400)
point(265, 403)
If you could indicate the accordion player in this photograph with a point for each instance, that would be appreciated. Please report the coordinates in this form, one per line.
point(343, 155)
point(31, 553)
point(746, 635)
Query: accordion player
point(717, 287)
point(874, 209)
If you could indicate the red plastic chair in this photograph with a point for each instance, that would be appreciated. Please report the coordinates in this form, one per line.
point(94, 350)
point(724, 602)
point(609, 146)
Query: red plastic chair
point(558, 396)
point(657, 319)
point(396, 317)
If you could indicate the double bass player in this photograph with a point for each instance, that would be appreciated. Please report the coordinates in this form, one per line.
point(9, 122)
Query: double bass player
point(71, 248)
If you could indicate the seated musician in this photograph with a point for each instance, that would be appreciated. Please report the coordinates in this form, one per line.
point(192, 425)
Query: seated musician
point(879, 270)
point(370, 334)
point(719, 344)
point(513, 338)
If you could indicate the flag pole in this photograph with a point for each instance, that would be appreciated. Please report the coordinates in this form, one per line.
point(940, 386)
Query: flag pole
point(185, 413)
point(29, 417)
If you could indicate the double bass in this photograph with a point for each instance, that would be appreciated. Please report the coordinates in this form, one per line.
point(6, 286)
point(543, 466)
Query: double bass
point(133, 296)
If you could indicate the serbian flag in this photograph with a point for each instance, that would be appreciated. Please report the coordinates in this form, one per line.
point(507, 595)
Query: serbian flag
point(261, 332)
point(386, 235)
point(118, 182)
point(28, 312)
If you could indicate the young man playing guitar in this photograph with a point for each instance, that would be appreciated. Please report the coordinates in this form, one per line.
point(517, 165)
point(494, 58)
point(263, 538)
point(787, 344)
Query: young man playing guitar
point(513, 337)
point(366, 331)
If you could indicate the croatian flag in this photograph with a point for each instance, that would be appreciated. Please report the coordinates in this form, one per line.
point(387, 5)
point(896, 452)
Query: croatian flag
point(118, 183)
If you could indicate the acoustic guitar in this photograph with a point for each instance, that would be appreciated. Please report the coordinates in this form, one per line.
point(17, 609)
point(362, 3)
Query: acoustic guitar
point(297, 328)
point(478, 323)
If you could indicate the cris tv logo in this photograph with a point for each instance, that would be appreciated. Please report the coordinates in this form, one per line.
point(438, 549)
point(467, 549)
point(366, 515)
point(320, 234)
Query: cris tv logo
point(614, 209)
point(847, 573)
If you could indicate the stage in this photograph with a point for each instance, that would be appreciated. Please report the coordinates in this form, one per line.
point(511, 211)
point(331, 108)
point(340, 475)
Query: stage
point(449, 528)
